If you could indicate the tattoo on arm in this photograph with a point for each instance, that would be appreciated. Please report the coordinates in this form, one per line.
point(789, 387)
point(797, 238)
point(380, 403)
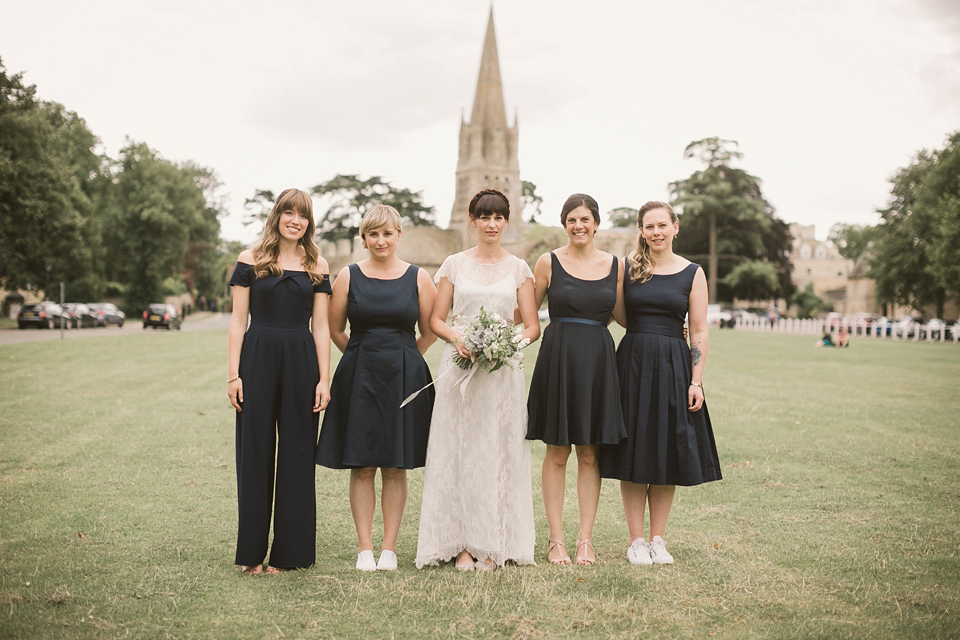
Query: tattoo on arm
point(695, 353)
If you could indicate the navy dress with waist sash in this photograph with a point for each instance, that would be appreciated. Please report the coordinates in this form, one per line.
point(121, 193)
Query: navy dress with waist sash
point(574, 392)
point(363, 425)
point(666, 443)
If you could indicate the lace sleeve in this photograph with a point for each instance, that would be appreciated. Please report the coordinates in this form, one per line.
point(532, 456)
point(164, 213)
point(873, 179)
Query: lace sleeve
point(447, 270)
point(522, 271)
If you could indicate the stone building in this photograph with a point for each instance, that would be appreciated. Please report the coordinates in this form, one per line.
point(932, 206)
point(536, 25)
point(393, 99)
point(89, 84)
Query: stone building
point(837, 280)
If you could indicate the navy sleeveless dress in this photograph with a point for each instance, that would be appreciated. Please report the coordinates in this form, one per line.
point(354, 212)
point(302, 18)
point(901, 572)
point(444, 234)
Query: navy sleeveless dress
point(666, 444)
point(574, 392)
point(363, 425)
point(278, 366)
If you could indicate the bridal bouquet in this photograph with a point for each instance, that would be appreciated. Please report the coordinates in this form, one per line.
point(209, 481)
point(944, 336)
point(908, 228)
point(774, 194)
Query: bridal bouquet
point(492, 340)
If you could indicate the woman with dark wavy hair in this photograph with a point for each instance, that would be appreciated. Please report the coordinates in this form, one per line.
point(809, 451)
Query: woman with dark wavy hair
point(278, 374)
point(574, 394)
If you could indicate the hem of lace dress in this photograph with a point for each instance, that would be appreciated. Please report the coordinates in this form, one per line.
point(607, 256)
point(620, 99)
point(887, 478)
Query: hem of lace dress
point(449, 554)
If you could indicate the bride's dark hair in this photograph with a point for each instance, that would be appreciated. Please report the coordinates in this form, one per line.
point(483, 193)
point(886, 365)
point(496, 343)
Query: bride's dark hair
point(489, 202)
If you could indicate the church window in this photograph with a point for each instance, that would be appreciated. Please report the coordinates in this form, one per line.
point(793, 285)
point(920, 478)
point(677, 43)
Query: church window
point(820, 253)
point(805, 252)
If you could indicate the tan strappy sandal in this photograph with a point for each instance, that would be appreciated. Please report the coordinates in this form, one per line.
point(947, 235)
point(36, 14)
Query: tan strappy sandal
point(563, 560)
point(582, 558)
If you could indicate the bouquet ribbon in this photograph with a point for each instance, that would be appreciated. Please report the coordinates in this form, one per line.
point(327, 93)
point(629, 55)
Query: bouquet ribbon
point(462, 383)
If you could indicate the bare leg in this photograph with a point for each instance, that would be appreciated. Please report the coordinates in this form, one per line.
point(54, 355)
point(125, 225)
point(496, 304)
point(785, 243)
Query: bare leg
point(363, 501)
point(554, 481)
point(661, 499)
point(634, 504)
point(393, 498)
point(588, 495)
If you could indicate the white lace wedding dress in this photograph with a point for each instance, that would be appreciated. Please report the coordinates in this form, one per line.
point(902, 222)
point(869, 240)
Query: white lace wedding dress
point(477, 492)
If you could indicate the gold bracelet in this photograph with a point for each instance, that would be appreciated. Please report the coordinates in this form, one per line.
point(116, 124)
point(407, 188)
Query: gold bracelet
point(233, 379)
point(697, 384)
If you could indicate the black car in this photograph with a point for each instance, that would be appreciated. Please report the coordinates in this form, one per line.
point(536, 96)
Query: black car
point(161, 315)
point(43, 315)
point(80, 314)
point(107, 313)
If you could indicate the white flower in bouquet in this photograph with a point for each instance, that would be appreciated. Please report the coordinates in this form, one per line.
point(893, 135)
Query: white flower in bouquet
point(492, 341)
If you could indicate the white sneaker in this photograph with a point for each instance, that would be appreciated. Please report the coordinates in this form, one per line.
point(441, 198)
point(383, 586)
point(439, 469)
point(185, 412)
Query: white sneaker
point(638, 553)
point(658, 551)
point(365, 561)
point(387, 561)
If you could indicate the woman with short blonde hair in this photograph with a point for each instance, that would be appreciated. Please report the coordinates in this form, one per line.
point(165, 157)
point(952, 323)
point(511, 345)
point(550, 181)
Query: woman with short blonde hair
point(364, 429)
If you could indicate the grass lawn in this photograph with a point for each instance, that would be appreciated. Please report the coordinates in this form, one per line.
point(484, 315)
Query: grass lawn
point(837, 515)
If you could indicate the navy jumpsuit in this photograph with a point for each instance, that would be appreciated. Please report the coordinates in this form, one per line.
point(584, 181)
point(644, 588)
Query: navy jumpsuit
point(278, 366)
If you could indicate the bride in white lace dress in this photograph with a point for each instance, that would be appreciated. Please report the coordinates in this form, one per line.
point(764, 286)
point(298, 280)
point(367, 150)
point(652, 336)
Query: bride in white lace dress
point(477, 501)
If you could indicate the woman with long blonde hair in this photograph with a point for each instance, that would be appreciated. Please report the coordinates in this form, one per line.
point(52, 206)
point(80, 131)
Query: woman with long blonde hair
point(669, 437)
point(278, 381)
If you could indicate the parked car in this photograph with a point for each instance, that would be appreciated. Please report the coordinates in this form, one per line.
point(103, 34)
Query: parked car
point(904, 327)
point(833, 320)
point(80, 314)
point(743, 315)
point(43, 315)
point(933, 328)
point(107, 313)
point(717, 317)
point(162, 315)
point(864, 322)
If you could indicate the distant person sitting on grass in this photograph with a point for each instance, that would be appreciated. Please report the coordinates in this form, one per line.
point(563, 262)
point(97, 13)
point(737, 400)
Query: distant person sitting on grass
point(826, 340)
point(843, 337)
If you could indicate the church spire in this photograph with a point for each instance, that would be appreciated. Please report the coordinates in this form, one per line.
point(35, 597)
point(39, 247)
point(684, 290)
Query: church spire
point(488, 145)
point(488, 107)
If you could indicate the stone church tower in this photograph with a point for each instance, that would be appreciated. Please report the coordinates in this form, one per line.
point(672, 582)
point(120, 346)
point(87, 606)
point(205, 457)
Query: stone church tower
point(488, 147)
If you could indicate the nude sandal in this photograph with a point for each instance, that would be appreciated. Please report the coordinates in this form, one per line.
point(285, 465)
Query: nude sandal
point(563, 560)
point(582, 558)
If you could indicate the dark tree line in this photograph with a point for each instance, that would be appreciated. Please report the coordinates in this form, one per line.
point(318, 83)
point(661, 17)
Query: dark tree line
point(914, 253)
point(138, 227)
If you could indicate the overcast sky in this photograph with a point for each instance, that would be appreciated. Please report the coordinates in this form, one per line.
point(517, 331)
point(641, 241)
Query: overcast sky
point(826, 98)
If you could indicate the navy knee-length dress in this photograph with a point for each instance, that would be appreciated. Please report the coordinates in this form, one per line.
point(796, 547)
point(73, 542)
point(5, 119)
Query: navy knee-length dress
point(574, 392)
point(666, 443)
point(279, 370)
point(364, 425)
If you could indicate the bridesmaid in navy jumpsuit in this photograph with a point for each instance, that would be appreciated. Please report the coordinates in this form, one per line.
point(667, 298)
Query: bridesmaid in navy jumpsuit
point(278, 381)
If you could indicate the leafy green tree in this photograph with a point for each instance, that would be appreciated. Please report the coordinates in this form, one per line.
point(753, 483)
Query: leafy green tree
point(914, 257)
point(530, 201)
point(622, 217)
point(346, 198)
point(202, 264)
point(852, 240)
point(753, 280)
point(258, 207)
point(48, 171)
point(941, 194)
point(157, 210)
point(726, 219)
point(807, 302)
